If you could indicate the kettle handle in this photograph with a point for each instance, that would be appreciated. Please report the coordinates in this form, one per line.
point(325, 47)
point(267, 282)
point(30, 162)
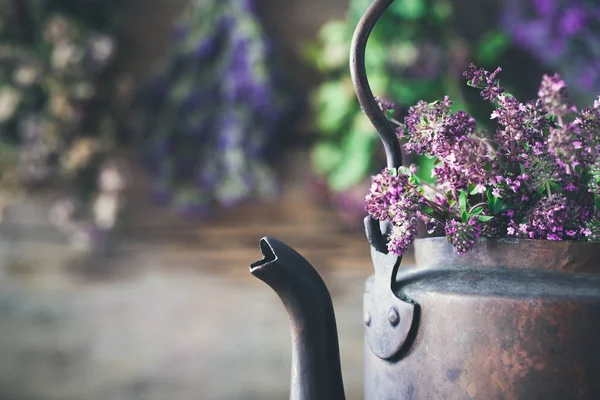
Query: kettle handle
point(388, 320)
point(384, 127)
point(364, 94)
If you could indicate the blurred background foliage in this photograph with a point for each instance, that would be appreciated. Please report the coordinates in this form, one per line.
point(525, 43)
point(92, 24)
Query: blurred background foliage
point(61, 106)
point(213, 121)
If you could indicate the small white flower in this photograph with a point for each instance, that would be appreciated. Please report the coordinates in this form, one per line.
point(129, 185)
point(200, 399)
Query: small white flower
point(106, 208)
point(523, 228)
point(25, 75)
point(61, 213)
point(64, 53)
point(9, 100)
point(111, 179)
point(101, 48)
point(480, 188)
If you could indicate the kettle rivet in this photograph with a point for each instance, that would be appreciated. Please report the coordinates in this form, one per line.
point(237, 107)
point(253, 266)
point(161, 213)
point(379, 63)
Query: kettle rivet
point(393, 316)
point(367, 319)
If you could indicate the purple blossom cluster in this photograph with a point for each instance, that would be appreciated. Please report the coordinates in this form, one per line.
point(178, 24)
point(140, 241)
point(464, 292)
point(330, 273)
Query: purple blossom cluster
point(393, 198)
point(208, 122)
point(463, 235)
point(536, 177)
point(553, 218)
point(433, 130)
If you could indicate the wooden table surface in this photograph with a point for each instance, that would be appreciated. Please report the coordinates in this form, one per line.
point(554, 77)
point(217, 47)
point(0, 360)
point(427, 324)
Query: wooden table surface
point(173, 313)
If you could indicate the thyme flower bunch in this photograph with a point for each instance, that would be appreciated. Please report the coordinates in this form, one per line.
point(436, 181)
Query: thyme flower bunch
point(536, 177)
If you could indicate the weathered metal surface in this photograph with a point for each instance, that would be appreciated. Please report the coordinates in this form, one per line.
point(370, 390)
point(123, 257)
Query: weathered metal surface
point(316, 371)
point(510, 320)
point(388, 319)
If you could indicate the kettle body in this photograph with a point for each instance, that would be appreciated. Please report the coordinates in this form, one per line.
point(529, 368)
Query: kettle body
point(516, 319)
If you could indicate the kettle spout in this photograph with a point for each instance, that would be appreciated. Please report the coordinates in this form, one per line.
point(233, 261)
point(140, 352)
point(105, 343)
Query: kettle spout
point(316, 371)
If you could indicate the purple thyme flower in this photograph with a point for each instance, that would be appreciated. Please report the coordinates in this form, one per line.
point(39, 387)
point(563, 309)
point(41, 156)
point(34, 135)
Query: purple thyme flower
point(551, 218)
point(554, 95)
point(390, 196)
point(572, 21)
point(425, 124)
point(535, 179)
point(403, 235)
point(484, 80)
point(385, 105)
point(393, 198)
point(433, 130)
point(463, 235)
point(577, 144)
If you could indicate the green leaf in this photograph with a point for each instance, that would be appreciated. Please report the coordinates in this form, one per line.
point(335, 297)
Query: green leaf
point(414, 180)
point(492, 205)
point(335, 102)
point(485, 218)
point(477, 211)
point(357, 156)
point(491, 47)
point(335, 30)
point(499, 206)
point(465, 216)
point(389, 114)
point(409, 9)
point(473, 191)
point(462, 201)
point(325, 157)
point(427, 210)
point(425, 165)
point(442, 10)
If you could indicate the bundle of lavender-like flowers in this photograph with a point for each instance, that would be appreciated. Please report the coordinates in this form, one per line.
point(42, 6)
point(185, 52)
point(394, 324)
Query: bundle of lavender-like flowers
point(536, 177)
point(211, 115)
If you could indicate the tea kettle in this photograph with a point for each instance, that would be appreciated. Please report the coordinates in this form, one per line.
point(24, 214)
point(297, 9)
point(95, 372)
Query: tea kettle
point(511, 319)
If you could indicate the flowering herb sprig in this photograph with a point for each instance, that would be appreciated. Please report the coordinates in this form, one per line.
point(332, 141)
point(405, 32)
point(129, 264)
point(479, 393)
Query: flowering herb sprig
point(421, 60)
point(536, 177)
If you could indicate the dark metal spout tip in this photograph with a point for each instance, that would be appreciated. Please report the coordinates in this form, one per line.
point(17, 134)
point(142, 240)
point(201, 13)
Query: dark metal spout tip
point(315, 350)
point(266, 248)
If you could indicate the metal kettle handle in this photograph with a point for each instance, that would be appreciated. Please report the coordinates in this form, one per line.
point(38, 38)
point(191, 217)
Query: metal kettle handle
point(388, 319)
point(384, 127)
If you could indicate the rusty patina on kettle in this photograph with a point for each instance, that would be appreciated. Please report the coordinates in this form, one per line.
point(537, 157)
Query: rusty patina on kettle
point(511, 319)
